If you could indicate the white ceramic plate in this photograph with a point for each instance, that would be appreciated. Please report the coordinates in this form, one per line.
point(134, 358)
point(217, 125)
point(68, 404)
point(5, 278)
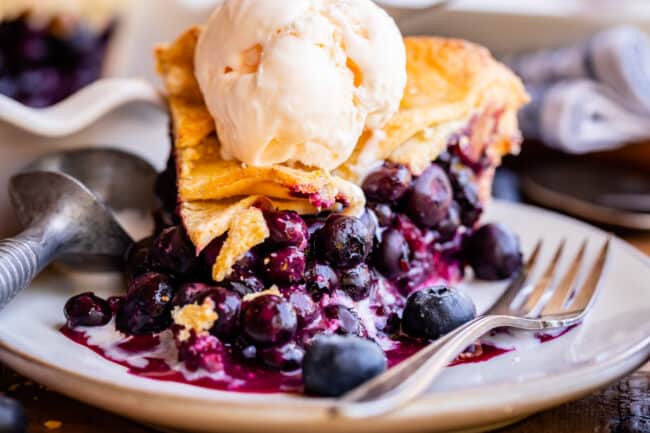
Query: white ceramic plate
point(613, 341)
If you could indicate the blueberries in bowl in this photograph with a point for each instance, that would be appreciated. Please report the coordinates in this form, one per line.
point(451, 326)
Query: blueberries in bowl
point(344, 241)
point(335, 364)
point(494, 253)
point(87, 309)
point(433, 312)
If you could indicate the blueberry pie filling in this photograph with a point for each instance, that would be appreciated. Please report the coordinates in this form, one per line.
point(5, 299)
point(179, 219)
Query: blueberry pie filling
point(273, 277)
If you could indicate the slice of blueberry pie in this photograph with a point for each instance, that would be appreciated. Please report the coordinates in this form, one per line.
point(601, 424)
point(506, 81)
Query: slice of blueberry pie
point(324, 190)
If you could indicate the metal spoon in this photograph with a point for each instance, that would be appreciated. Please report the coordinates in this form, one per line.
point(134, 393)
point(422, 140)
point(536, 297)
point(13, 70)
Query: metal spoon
point(66, 203)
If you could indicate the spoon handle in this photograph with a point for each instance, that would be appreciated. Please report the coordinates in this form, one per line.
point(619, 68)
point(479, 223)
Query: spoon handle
point(21, 258)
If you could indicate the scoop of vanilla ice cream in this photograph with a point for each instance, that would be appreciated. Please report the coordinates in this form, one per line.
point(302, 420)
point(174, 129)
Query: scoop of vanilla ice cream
point(299, 80)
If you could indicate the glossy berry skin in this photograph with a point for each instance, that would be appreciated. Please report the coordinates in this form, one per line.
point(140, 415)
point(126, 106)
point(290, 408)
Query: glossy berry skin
point(189, 293)
point(336, 364)
point(344, 241)
point(269, 320)
point(287, 228)
point(227, 305)
point(433, 312)
point(430, 198)
point(393, 253)
point(384, 214)
point(305, 307)
point(287, 357)
point(494, 252)
point(388, 184)
point(344, 320)
point(87, 309)
point(466, 193)
point(243, 278)
point(147, 307)
point(173, 252)
point(137, 258)
point(12, 416)
point(321, 279)
point(357, 281)
point(284, 266)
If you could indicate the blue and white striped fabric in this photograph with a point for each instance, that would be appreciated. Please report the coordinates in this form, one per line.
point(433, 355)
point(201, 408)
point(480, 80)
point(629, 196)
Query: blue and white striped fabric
point(589, 97)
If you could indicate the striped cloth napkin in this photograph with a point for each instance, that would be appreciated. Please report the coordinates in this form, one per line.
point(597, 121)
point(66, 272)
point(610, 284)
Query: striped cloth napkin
point(588, 97)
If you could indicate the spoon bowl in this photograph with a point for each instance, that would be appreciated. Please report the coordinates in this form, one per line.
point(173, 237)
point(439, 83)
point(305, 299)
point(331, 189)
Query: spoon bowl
point(67, 203)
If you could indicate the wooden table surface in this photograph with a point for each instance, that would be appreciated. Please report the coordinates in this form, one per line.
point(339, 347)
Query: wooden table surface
point(623, 407)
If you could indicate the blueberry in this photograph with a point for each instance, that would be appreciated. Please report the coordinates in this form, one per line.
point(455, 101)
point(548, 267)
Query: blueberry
point(269, 320)
point(287, 357)
point(306, 309)
point(284, 266)
point(243, 278)
point(43, 82)
point(433, 312)
point(357, 281)
point(34, 49)
point(448, 228)
point(321, 279)
point(466, 193)
point(227, 305)
point(12, 416)
point(87, 309)
point(384, 214)
point(430, 197)
point(387, 184)
point(244, 283)
point(287, 228)
point(189, 293)
point(369, 219)
point(147, 307)
point(138, 258)
point(494, 253)
point(334, 364)
point(173, 252)
point(345, 320)
point(344, 241)
point(393, 253)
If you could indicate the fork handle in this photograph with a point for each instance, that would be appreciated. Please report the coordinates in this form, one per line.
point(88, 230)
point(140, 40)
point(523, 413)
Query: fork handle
point(409, 380)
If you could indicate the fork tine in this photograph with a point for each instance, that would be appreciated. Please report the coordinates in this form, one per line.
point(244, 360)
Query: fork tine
point(502, 305)
point(555, 305)
point(543, 283)
point(588, 290)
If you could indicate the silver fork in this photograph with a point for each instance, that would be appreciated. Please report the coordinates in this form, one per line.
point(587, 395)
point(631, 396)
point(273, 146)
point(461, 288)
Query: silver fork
point(561, 307)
